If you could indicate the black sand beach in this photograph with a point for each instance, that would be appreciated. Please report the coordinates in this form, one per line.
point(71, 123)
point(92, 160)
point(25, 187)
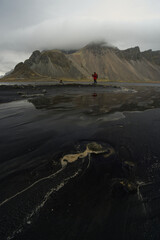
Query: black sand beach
point(76, 166)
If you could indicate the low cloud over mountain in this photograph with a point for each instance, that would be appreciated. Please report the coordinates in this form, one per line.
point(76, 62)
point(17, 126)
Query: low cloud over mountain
point(49, 24)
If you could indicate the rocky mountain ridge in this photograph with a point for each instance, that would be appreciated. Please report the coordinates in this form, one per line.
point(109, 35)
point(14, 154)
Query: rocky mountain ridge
point(110, 63)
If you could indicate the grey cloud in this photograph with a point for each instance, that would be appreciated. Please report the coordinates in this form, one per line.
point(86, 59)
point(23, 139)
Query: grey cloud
point(71, 24)
point(20, 13)
point(9, 58)
point(76, 32)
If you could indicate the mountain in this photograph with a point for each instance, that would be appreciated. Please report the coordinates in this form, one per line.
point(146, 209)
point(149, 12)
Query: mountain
point(109, 62)
point(22, 71)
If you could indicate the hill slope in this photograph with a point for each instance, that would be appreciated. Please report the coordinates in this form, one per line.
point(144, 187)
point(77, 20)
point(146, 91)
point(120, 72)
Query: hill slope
point(114, 64)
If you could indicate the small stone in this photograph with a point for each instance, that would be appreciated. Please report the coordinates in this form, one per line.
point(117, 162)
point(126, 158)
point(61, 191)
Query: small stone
point(20, 93)
point(129, 163)
point(44, 91)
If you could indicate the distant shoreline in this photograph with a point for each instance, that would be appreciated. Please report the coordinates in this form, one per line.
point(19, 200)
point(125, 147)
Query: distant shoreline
point(75, 81)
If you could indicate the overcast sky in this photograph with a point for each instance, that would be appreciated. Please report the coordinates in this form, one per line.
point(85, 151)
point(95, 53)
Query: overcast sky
point(27, 25)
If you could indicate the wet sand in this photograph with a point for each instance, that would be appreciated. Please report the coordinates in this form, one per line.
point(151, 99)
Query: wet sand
point(108, 187)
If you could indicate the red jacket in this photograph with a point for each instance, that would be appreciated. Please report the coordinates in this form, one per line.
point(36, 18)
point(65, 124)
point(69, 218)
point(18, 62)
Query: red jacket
point(95, 76)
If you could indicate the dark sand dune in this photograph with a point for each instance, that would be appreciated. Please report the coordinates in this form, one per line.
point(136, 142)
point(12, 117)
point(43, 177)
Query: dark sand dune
point(74, 166)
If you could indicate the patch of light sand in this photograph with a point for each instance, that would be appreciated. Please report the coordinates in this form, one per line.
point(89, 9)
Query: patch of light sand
point(91, 148)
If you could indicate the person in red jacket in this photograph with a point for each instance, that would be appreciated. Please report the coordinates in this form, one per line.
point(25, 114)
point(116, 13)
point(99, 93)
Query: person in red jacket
point(95, 76)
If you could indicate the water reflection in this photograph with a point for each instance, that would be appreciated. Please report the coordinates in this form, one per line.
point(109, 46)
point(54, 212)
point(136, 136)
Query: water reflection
point(103, 103)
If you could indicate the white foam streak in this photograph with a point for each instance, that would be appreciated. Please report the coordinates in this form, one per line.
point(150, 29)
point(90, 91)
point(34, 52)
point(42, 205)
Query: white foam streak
point(48, 194)
point(33, 184)
point(46, 197)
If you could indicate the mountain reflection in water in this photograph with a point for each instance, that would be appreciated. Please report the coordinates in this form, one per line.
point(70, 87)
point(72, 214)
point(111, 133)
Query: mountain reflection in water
point(103, 103)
